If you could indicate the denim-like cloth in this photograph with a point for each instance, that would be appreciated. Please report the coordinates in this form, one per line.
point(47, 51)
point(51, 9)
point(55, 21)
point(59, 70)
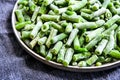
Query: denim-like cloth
point(17, 64)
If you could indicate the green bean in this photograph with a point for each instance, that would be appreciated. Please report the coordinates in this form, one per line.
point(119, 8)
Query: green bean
point(57, 48)
point(70, 12)
point(86, 11)
point(72, 37)
point(101, 47)
point(19, 15)
point(68, 28)
point(98, 64)
point(23, 2)
point(74, 63)
point(108, 15)
point(112, 8)
point(61, 54)
point(108, 59)
point(43, 9)
point(115, 54)
point(92, 1)
point(60, 2)
point(32, 5)
point(29, 27)
point(68, 56)
point(86, 15)
point(92, 43)
point(118, 37)
point(99, 12)
point(80, 56)
point(36, 29)
point(105, 3)
point(89, 25)
point(76, 43)
point(92, 60)
point(47, 17)
point(26, 41)
point(110, 44)
point(54, 7)
point(42, 40)
point(43, 50)
point(25, 34)
point(89, 35)
point(78, 5)
point(21, 25)
point(52, 34)
point(82, 64)
point(81, 40)
point(108, 31)
point(49, 56)
point(34, 41)
point(47, 2)
point(34, 16)
point(101, 59)
point(72, 18)
point(56, 26)
point(72, 2)
point(58, 38)
point(45, 27)
point(61, 10)
point(96, 6)
point(51, 12)
point(111, 21)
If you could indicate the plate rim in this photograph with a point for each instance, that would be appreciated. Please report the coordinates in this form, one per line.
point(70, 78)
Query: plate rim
point(55, 64)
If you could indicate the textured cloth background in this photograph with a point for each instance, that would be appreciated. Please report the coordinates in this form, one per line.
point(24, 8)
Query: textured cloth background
point(16, 64)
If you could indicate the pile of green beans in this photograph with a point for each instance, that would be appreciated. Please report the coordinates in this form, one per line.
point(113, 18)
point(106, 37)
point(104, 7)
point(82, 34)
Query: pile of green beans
point(80, 33)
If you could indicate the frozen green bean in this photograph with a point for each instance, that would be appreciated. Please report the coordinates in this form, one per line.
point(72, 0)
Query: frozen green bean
point(42, 40)
point(92, 59)
point(19, 15)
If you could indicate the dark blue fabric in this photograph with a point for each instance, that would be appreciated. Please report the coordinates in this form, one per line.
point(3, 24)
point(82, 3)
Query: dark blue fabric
point(17, 64)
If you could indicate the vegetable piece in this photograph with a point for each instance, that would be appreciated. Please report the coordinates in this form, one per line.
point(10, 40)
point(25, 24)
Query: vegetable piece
point(82, 64)
point(47, 2)
point(92, 60)
point(78, 5)
point(99, 12)
point(89, 25)
point(23, 2)
point(112, 8)
point(108, 31)
point(58, 38)
point(54, 8)
point(34, 16)
point(86, 11)
point(42, 40)
point(29, 27)
point(115, 54)
point(32, 5)
point(68, 56)
point(74, 63)
point(105, 3)
point(68, 28)
point(56, 26)
point(21, 25)
point(110, 44)
point(36, 28)
point(71, 18)
point(76, 43)
point(61, 54)
point(72, 37)
point(57, 48)
point(43, 50)
point(52, 34)
point(89, 35)
point(43, 9)
point(25, 34)
point(92, 43)
point(45, 27)
point(19, 15)
point(49, 56)
point(47, 17)
point(86, 16)
point(60, 2)
point(98, 64)
point(80, 56)
point(112, 21)
point(101, 47)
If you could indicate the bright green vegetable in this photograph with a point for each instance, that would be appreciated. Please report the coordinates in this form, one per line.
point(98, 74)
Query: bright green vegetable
point(19, 15)
point(115, 54)
point(92, 59)
point(68, 56)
